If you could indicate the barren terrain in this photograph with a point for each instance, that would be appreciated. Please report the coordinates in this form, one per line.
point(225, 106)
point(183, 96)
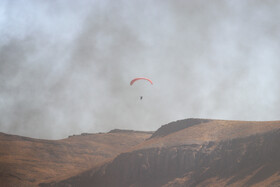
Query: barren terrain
point(190, 152)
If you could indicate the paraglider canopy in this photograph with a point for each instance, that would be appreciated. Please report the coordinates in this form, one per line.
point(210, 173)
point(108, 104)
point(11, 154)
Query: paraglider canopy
point(140, 78)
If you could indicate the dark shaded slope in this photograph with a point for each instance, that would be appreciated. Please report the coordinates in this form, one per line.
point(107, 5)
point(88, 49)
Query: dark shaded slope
point(129, 131)
point(177, 126)
point(239, 162)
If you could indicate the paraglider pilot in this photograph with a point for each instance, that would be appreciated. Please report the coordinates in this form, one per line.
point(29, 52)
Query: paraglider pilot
point(141, 97)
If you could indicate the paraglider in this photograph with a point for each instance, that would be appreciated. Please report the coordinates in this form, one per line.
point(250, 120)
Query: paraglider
point(140, 78)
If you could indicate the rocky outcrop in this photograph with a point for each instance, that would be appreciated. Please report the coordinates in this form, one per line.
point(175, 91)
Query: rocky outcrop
point(238, 162)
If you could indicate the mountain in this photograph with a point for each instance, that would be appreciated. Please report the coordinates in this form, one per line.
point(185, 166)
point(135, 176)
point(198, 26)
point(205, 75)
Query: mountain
point(189, 152)
point(193, 152)
point(27, 162)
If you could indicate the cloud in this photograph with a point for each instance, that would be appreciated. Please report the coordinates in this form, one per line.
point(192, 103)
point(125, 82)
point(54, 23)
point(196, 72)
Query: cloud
point(65, 67)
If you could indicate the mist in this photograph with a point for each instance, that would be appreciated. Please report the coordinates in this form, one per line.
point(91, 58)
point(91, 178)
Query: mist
point(65, 66)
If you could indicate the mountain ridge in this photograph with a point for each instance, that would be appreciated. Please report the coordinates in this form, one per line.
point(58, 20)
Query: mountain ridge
point(181, 153)
point(191, 161)
point(194, 153)
point(177, 126)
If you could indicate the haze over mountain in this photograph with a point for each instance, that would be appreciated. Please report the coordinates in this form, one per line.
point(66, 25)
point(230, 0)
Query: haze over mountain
point(190, 152)
point(65, 65)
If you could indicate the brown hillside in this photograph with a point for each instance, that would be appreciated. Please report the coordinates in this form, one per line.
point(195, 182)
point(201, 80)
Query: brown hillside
point(28, 162)
point(210, 153)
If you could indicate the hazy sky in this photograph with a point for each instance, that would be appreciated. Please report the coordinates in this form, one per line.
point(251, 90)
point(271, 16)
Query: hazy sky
point(65, 65)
